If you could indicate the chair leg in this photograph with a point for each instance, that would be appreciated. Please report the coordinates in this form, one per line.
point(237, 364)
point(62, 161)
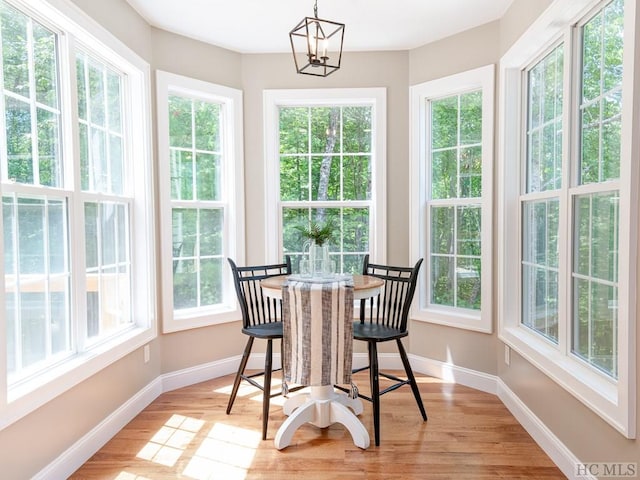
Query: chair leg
point(236, 382)
point(412, 379)
point(266, 391)
point(374, 380)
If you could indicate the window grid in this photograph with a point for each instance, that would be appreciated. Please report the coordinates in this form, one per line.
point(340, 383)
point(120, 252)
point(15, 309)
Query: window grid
point(342, 210)
point(457, 203)
point(45, 243)
point(197, 274)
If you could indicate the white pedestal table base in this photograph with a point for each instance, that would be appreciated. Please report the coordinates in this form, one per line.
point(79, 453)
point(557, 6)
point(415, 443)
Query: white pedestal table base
point(322, 407)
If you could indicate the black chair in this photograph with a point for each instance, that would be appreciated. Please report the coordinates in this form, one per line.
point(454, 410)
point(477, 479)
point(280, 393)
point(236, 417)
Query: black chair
point(384, 318)
point(261, 318)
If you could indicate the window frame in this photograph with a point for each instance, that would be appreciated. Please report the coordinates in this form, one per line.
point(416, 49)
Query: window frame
point(376, 98)
point(481, 78)
point(77, 31)
point(232, 184)
point(614, 401)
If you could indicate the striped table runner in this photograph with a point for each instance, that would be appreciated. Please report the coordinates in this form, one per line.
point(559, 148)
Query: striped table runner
point(318, 332)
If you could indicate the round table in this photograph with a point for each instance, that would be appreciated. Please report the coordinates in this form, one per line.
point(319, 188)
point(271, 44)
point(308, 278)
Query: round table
point(364, 286)
point(323, 406)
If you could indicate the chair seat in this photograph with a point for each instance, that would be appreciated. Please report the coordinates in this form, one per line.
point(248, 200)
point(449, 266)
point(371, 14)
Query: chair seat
point(374, 332)
point(271, 330)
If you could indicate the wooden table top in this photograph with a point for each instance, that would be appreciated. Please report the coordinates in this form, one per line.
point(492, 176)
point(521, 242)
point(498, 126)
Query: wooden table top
point(364, 286)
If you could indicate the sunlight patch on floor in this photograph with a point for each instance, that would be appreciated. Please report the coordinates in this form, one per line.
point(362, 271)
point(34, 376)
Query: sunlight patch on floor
point(227, 452)
point(130, 476)
point(170, 441)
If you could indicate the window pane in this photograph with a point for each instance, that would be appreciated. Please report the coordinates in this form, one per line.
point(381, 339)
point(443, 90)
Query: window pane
point(444, 123)
point(325, 178)
point(207, 126)
point(50, 169)
point(357, 129)
point(114, 99)
point(19, 147)
point(443, 289)
point(101, 141)
point(294, 178)
point(292, 240)
point(540, 300)
point(185, 230)
point(356, 177)
point(325, 130)
point(468, 232)
point(197, 257)
point(442, 230)
point(540, 256)
point(108, 268)
point(294, 130)
point(211, 226)
point(15, 53)
point(36, 282)
point(180, 122)
point(595, 280)
point(208, 176)
point(470, 172)
point(355, 230)
point(596, 325)
point(46, 68)
point(456, 153)
point(444, 174)
point(544, 129)
point(211, 279)
point(468, 273)
point(185, 284)
point(181, 168)
point(601, 98)
point(471, 118)
point(96, 90)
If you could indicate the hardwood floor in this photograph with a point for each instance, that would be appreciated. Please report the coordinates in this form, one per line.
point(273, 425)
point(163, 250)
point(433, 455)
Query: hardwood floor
point(186, 434)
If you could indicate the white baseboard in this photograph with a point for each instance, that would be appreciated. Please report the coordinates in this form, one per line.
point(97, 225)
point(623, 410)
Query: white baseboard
point(454, 374)
point(84, 448)
point(556, 450)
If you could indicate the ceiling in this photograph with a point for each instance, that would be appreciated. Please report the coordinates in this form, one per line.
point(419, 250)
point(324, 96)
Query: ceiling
point(262, 26)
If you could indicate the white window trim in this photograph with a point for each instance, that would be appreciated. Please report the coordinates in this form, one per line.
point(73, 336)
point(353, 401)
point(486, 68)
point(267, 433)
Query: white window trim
point(233, 188)
point(63, 16)
point(614, 401)
point(377, 99)
point(480, 78)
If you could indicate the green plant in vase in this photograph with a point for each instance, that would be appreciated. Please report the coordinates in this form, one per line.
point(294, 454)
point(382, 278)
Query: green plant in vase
point(317, 233)
point(318, 236)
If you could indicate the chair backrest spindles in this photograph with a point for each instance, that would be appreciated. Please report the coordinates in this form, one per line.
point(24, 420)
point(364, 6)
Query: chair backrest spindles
point(256, 308)
point(391, 306)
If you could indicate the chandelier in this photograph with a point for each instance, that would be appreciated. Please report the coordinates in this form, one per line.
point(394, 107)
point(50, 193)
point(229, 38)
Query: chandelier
point(317, 45)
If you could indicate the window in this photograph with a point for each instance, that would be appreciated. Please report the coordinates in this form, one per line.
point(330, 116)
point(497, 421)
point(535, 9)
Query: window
point(76, 205)
point(568, 235)
point(325, 163)
point(451, 203)
point(201, 191)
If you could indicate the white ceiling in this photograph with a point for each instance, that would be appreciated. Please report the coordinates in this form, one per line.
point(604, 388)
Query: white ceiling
point(262, 26)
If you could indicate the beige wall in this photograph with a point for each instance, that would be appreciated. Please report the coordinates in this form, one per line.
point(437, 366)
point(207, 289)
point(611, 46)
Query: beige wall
point(23, 448)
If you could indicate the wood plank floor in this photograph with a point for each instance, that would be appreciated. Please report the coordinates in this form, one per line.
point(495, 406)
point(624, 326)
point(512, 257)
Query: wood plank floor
point(186, 434)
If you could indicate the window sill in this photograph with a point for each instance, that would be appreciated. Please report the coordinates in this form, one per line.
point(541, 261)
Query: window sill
point(597, 391)
point(197, 318)
point(456, 318)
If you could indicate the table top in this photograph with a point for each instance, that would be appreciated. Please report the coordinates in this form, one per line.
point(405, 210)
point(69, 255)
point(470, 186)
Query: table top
point(364, 286)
